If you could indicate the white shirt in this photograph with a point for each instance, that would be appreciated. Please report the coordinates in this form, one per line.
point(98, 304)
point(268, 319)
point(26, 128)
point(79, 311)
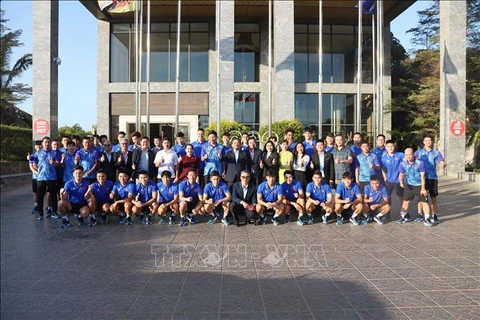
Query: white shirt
point(301, 165)
point(167, 160)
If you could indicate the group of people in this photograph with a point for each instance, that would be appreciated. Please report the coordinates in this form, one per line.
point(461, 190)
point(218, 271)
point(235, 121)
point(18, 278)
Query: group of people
point(234, 181)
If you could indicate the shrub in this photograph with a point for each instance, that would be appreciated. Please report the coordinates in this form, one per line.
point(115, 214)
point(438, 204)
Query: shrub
point(279, 127)
point(234, 128)
point(15, 143)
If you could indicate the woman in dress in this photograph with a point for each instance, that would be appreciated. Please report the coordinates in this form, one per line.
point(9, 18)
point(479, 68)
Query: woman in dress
point(286, 161)
point(300, 163)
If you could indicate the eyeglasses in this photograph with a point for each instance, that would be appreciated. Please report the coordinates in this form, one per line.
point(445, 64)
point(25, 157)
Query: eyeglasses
point(244, 177)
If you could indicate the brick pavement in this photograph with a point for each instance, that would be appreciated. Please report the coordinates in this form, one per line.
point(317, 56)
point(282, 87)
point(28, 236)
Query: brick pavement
point(255, 272)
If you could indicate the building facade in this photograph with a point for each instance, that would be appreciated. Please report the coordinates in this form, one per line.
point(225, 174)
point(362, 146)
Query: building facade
point(243, 65)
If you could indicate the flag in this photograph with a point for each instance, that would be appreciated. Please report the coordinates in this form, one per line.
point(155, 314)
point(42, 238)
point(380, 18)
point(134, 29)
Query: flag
point(368, 6)
point(117, 6)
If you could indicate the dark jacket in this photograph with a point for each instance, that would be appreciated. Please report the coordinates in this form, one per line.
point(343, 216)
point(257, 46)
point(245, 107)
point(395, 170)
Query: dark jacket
point(237, 193)
point(109, 165)
point(253, 165)
point(152, 169)
point(328, 165)
point(233, 167)
point(269, 164)
point(125, 165)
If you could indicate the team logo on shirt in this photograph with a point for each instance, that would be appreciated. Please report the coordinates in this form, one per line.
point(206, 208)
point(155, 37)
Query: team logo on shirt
point(352, 193)
point(170, 191)
point(294, 189)
point(149, 189)
point(84, 188)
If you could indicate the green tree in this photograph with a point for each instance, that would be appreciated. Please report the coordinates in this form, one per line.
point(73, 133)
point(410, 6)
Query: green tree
point(12, 93)
point(279, 127)
point(232, 127)
point(75, 130)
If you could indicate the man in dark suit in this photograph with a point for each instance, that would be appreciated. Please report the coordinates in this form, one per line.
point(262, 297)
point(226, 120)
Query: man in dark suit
point(124, 158)
point(254, 156)
point(107, 161)
point(235, 161)
point(142, 160)
point(244, 199)
point(323, 161)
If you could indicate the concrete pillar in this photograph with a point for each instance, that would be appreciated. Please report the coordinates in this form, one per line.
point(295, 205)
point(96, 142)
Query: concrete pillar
point(452, 83)
point(227, 58)
point(103, 77)
point(284, 60)
point(45, 69)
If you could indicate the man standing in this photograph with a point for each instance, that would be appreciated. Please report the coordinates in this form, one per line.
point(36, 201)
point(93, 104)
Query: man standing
point(235, 162)
point(107, 161)
point(430, 158)
point(253, 161)
point(124, 158)
point(412, 179)
point(323, 162)
point(366, 164)
point(179, 148)
point(212, 154)
point(244, 199)
point(342, 157)
point(197, 150)
point(87, 157)
point(391, 162)
point(143, 159)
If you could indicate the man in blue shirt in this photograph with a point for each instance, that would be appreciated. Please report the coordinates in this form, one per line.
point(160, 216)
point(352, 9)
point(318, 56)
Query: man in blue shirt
point(98, 195)
point(319, 198)
point(379, 150)
point(294, 200)
point(191, 198)
point(366, 164)
point(430, 158)
point(72, 199)
point(167, 198)
point(356, 149)
point(87, 157)
point(391, 162)
point(212, 154)
point(412, 179)
point(348, 200)
point(197, 150)
point(44, 166)
point(375, 201)
point(179, 148)
point(216, 199)
point(145, 202)
point(121, 196)
point(31, 160)
point(269, 198)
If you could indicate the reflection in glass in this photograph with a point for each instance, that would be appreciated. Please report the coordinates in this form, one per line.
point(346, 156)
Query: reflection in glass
point(247, 53)
point(246, 109)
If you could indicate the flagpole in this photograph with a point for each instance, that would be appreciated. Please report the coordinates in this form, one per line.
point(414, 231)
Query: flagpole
point(359, 70)
point(147, 111)
point(320, 69)
point(381, 63)
point(269, 68)
point(177, 68)
point(374, 82)
point(140, 49)
point(137, 122)
point(217, 26)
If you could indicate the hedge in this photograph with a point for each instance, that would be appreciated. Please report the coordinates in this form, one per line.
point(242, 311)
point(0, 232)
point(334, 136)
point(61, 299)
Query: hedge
point(279, 127)
point(15, 143)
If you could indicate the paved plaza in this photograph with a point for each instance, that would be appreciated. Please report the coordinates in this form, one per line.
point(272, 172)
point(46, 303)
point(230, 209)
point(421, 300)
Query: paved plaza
point(205, 271)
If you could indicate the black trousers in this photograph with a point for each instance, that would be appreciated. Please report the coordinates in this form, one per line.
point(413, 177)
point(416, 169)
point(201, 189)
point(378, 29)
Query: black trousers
point(42, 187)
point(238, 211)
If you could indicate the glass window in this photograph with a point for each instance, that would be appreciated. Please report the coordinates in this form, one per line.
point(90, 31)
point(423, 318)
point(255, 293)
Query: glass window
point(202, 122)
point(247, 52)
point(194, 47)
point(246, 109)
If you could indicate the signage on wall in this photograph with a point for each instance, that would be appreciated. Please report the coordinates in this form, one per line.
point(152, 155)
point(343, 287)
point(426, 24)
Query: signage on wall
point(457, 128)
point(41, 126)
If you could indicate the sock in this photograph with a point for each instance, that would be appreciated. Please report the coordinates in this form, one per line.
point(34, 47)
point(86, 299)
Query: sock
point(378, 215)
point(261, 216)
point(65, 218)
point(35, 204)
point(275, 216)
point(403, 214)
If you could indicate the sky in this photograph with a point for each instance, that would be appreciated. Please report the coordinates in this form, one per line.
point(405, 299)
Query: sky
point(78, 52)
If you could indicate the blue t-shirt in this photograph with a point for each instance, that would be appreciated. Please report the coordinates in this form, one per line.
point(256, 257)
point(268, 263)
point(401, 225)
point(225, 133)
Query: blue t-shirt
point(116, 147)
point(190, 190)
point(167, 193)
point(46, 171)
point(377, 196)
point(412, 172)
point(59, 168)
point(216, 193)
point(379, 152)
point(363, 162)
point(430, 160)
point(391, 164)
point(309, 148)
point(213, 162)
point(145, 193)
point(68, 165)
point(33, 159)
point(270, 194)
point(329, 148)
point(226, 149)
point(76, 192)
point(122, 192)
point(102, 193)
point(355, 152)
point(292, 146)
point(351, 193)
point(179, 149)
point(197, 150)
point(318, 193)
point(290, 189)
point(87, 160)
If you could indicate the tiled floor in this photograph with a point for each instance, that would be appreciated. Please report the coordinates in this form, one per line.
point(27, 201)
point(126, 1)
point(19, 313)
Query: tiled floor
point(256, 272)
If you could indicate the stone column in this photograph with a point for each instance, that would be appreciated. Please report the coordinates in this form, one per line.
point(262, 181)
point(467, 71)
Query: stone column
point(227, 58)
point(45, 69)
point(452, 83)
point(283, 76)
point(103, 77)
